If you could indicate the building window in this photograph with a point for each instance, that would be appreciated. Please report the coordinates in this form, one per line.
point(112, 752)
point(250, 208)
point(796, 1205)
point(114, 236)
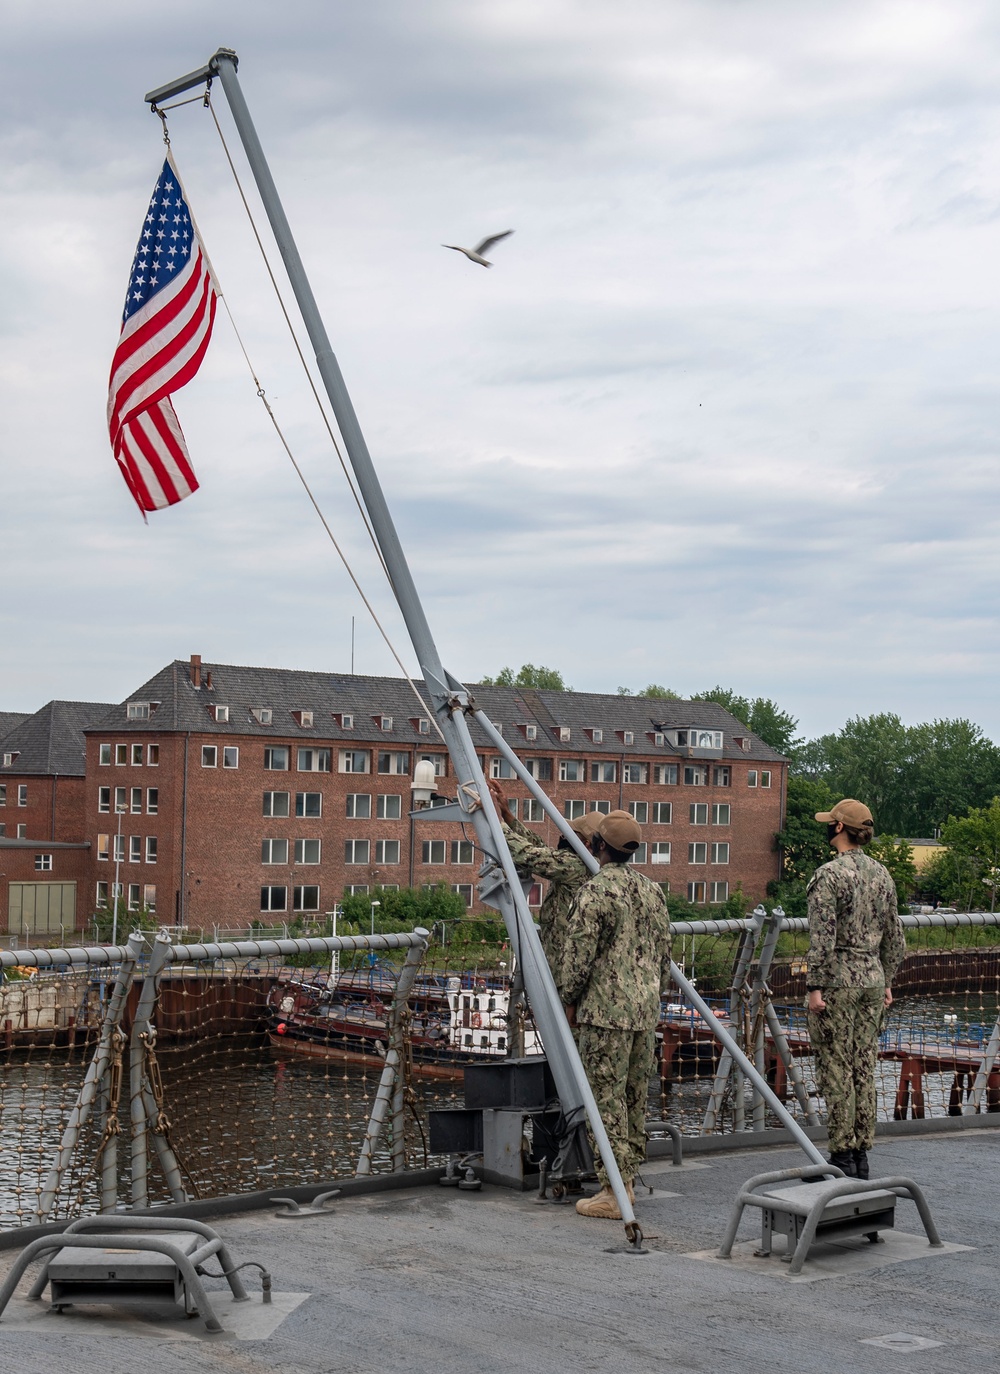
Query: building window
point(102, 896)
point(121, 755)
point(462, 852)
point(661, 852)
point(387, 851)
point(274, 851)
point(307, 851)
point(137, 710)
point(721, 811)
point(602, 806)
point(309, 805)
point(275, 804)
point(104, 799)
point(313, 761)
point(135, 804)
point(665, 774)
point(597, 736)
point(385, 722)
point(464, 890)
point(572, 770)
point(136, 755)
point(532, 810)
point(565, 734)
point(696, 893)
point(423, 726)
point(273, 898)
point(698, 853)
point(603, 772)
point(723, 776)
point(500, 768)
point(262, 714)
point(658, 739)
point(573, 810)
point(440, 762)
point(639, 811)
point(43, 863)
point(355, 761)
point(635, 772)
point(394, 762)
point(539, 769)
point(209, 756)
point(628, 737)
point(765, 778)
point(22, 794)
point(103, 843)
point(135, 849)
point(663, 813)
point(639, 855)
point(22, 832)
point(104, 754)
point(119, 849)
point(752, 777)
point(305, 898)
point(358, 806)
point(133, 896)
point(231, 756)
point(535, 894)
point(718, 892)
point(356, 890)
point(389, 806)
point(432, 852)
point(698, 813)
point(149, 896)
point(306, 719)
point(276, 758)
point(3, 829)
point(531, 732)
point(696, 775)
point(152, 800)
point(121, 794)
point(347, 723)
point(152, 756)
point(151, 848)
point(720, 853)
point(357, 851)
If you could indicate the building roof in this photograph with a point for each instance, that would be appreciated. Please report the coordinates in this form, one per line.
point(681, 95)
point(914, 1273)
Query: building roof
point(10, 719)
point(176, 704)
point(51, 741)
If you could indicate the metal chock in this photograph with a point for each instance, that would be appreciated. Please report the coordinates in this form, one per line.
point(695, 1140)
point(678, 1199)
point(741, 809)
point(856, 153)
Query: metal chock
point(292, 1211)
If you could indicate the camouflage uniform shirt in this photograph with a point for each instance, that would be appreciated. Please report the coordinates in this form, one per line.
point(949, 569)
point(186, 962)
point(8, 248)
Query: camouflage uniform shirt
point(616, 961)
point(855, 936)
point(566, 873)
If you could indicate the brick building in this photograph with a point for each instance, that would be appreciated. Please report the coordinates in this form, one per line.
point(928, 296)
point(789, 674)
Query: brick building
point(258, 793)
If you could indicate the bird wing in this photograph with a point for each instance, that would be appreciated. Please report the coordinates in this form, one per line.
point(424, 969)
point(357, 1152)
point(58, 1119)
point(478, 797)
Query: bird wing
point(487, 244)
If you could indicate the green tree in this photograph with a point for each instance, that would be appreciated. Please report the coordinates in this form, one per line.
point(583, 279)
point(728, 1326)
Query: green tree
point(541, 679)
point(973, 842)
point(402, 909)
point(953, 767)
point(803, 842)
point(656, 691)
point(759, 714)
point(897, 856)
point(869, 760)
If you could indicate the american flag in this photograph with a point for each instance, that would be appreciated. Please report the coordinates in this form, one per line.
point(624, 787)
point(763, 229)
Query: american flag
point(167, 323)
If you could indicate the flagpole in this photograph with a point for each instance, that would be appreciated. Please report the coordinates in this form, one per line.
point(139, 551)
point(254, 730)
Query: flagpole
point(452, 702)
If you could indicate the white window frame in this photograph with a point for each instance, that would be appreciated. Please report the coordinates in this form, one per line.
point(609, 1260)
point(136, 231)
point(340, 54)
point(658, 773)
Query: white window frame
point(635, 774)
point(578, 765)
point(135, 801)
point(658, 809)
point(267, 805)
point(464, 891)
point(103, 755)
point(152, 801)
point(230, 756)
point(698, 852)
point(272, 901)
point(433, 852)
point(660, 852)
point(104, 800)
point(304, 848)
point(718, 892)
point(102, 895)
point(532, 811)
point(134, 896)
point(135, 849)
point(349, 758)
point(149, 896)
point(698, 813)
point(274, 851)
point(440, 762)
point(221, 714)
point(310, 759)
point(357, 851)
point(628, 737)
point(22, 794)
point(385, 850)
point(121, 755)
point(573, 810)
point(765, 777)
point(273, 751)
point(719, 852)
point(152, 847)
point(665, 774)
point(565, 734)
point(531, 732)
point(152, 756)
point(603, 770)
point(751, 777)
point(696, 775)
point(305, 814)
point(639, 811)
point(209, 756)
point(639, 855)
point(136, 755)
point(463, 852)
point(43, 863)
point(384, 811)
point(717, 810)
point(597, 736)
point(299, 897)
point(693, 894)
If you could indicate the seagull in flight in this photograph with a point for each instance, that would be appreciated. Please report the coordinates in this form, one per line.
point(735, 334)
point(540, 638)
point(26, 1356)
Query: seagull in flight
point(476, 254)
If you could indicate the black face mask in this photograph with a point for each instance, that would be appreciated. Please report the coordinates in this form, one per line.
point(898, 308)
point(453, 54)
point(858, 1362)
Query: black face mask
point(831, 830)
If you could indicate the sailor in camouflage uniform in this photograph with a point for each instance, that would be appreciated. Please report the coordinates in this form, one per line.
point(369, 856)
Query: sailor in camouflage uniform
point(562, 867)
point(856, 944)
point(615, 968)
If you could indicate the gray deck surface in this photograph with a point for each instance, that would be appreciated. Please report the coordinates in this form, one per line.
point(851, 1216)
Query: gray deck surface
point(433, 1281)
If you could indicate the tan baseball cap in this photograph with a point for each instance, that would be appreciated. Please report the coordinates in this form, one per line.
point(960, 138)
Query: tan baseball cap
point(585, 826)
point(848, 812)
point(619, 830)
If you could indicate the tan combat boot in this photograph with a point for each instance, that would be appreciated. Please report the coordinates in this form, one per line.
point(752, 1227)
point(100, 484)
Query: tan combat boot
point(603, 1204)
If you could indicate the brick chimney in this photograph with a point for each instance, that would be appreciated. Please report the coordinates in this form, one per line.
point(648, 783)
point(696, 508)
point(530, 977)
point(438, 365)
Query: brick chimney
point(196, 671)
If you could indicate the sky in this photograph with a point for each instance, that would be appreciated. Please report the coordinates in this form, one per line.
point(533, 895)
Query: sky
point(724, 410)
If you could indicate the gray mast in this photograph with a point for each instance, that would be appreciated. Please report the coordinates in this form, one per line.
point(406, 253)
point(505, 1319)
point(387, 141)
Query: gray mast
point(500, 885)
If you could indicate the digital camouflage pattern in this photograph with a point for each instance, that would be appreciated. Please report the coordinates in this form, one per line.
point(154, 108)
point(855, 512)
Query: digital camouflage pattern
point(845, 1042)
point(619, 1064)
point(616, 957)
point(566, 873)
point(855, 936)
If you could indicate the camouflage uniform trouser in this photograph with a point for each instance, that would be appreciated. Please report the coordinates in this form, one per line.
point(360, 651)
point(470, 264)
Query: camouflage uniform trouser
point(619, 1064)
point(845, 1042)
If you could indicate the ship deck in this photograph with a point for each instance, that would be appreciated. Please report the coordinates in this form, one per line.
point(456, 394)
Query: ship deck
point(429, 1280)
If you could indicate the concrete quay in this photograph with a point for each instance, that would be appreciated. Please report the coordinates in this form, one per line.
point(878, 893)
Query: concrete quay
point(430, 1280)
